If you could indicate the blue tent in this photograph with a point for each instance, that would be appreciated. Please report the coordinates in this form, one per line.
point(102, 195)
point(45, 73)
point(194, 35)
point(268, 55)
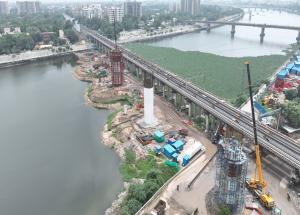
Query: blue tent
point(290, 66)
point(169, 150)
point(178, 145)
point(295, 70)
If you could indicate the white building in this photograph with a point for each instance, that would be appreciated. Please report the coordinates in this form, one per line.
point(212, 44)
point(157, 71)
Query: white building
point(115, 13)
point(17, 30)
point(6, 31)
point(92, 11)
point(61, 34)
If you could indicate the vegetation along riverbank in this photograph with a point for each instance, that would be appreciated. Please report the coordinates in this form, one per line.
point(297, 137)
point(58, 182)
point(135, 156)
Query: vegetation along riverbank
point(223, 76)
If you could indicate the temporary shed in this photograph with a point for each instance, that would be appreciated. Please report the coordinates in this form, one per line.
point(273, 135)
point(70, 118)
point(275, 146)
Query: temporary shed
point(169, 150)
point(159, 136)
point(296, 70)
point(290, 66)
point(283, 74)
point(178, 145)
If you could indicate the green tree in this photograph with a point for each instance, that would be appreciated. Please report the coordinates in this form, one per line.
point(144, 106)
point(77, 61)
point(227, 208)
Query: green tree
point(136, 191)
point(71, 35)
point(224, 210)
point(291, 112)
point(150, 187)
point(291, 94)
point(133, 206)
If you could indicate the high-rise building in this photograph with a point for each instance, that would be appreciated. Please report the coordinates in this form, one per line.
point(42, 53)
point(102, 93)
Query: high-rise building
point(191, 7)
point(4, 8)
point(115, 13)
point(133, 8)
point(28, 7)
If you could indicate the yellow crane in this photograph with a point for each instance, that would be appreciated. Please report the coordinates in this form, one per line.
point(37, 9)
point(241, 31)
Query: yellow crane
point(257, 185)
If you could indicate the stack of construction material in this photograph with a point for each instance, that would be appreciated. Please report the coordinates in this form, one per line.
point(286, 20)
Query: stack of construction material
point(159, 136)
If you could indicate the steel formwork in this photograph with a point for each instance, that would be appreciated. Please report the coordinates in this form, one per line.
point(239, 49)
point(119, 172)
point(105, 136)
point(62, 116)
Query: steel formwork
point(117, 67)
point(231, 172)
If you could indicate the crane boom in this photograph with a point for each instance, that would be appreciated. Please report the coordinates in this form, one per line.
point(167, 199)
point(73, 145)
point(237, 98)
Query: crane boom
point(257, 150)
point(257, 186)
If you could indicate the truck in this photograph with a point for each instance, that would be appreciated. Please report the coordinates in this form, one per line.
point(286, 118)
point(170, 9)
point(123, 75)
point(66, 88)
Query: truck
point(191, 152)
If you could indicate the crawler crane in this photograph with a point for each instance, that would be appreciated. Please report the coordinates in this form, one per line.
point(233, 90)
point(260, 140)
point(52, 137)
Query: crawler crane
point(257, 185)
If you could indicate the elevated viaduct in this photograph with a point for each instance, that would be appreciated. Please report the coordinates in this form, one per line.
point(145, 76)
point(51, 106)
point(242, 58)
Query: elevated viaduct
point(184, 94)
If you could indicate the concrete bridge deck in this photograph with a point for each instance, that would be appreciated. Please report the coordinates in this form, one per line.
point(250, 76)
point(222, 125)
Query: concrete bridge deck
point(282, 146)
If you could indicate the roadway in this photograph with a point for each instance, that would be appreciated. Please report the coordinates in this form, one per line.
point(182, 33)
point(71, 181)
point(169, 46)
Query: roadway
point(279, 144)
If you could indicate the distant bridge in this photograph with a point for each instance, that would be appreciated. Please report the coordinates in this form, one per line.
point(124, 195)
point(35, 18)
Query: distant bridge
point(214, 24)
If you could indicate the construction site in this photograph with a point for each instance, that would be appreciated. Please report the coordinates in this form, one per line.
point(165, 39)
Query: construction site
point(215, 173)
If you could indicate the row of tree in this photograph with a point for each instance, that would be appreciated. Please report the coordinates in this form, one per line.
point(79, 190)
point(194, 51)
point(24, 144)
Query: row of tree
point(32, 26)
point(291, 109)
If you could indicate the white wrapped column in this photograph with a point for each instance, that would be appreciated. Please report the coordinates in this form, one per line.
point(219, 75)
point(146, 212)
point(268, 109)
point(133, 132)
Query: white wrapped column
point(149, 106)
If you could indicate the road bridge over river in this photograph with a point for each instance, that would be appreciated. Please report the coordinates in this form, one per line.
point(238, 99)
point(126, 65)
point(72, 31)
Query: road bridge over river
point(214, 24)
point(184, 93)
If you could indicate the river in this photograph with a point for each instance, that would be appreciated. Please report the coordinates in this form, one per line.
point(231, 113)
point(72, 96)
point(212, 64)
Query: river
point(51, 159)
point(246, 41)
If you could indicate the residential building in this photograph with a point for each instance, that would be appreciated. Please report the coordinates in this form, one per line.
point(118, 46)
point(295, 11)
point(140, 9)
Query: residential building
point(28, 7)
point(115, 13)
point(4, 8)
point(191, 7)
point(92, 11)
point(17, 30)
point(6, 31)
point(132, 8)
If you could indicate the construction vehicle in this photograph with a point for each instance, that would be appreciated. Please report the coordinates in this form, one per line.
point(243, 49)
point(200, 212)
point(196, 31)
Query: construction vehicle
point(257, 185)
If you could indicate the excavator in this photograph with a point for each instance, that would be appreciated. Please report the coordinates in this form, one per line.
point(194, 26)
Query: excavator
point(257, 185)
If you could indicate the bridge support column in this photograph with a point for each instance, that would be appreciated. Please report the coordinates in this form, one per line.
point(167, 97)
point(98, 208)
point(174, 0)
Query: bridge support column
point(206, 122)
point(262, 35)
point(208, 28)
point(298, 37)
point(232, 31)
point(190, 109)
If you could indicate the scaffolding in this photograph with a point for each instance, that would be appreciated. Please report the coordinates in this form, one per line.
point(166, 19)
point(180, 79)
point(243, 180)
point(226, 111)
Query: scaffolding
point(231, 172)
point(117, 67)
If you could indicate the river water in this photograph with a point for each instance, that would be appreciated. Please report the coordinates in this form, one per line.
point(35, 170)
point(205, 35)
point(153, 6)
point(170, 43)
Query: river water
point(51, 159)
point(246, 41)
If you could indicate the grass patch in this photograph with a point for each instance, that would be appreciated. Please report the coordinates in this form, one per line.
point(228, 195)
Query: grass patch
point(224, 76)
point(110, 119)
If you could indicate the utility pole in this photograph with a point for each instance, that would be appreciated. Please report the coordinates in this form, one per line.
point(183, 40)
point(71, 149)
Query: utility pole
point(247, 63)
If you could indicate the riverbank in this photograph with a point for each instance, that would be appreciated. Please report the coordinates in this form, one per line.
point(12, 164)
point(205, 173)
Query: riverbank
point(122, 129)
point(31, 56)
point(170, 31)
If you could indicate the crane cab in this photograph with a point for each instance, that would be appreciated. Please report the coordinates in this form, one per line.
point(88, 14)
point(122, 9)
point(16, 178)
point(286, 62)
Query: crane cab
point(267, 200)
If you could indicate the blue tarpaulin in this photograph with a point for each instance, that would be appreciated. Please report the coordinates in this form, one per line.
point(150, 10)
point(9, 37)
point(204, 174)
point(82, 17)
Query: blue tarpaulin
point(178, 145)
point(169, 150)
point(290, 66)
point(295, 70)
point(283, 74)
point(260, 108)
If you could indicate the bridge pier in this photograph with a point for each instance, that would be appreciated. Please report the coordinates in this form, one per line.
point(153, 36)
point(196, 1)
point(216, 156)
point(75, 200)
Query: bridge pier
point(208, 27)
point(262, 34)
point(232, 31)
point(298, 37)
